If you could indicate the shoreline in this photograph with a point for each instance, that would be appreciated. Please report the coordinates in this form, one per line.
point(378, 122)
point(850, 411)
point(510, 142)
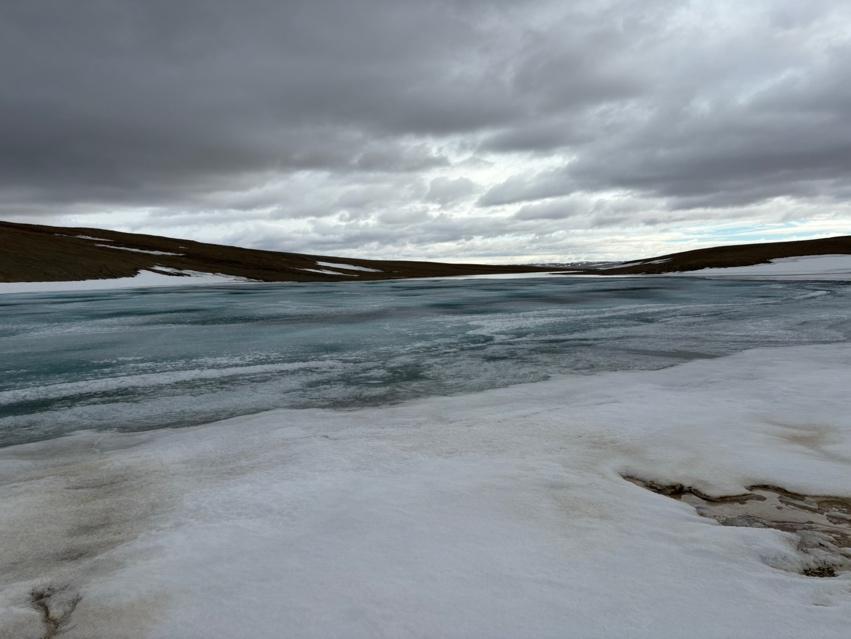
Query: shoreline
point(812, 268)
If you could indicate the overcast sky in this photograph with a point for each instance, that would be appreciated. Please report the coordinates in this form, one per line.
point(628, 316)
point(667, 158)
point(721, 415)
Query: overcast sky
point(465, 129)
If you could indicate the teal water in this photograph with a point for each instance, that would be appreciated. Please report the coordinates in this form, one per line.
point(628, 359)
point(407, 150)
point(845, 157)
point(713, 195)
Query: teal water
point(154, 358)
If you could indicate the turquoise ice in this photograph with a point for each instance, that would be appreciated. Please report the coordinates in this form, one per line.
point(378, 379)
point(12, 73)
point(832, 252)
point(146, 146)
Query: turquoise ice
point(154, 358)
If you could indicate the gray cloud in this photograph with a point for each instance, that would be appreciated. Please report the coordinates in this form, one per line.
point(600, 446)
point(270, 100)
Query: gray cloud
point(444, 190)
point(126, 101)
point(550, 210)
point(740, 119)
point(347, 124)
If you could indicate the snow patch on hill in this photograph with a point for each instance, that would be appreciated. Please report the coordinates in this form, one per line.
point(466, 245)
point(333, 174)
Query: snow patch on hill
point(325, 271)
point(822, 267)
point(350, 267)
point(135, 250)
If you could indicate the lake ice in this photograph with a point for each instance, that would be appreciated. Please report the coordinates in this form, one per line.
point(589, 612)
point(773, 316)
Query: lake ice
point(419, 458)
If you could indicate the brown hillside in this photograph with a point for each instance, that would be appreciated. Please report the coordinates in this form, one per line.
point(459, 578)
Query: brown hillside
point(33, 253)
point(727, 256)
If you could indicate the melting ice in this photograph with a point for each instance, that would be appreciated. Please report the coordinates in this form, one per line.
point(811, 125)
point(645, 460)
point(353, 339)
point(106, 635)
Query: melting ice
point(445, 459)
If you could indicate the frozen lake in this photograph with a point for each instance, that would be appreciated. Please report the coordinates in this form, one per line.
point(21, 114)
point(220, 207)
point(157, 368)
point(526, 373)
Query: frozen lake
point(141, 359)
point(417, 459)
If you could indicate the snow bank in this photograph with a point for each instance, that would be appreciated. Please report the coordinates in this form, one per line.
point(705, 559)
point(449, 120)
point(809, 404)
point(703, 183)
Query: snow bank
point(821, 267)
point(497, 514)
point(142, 279)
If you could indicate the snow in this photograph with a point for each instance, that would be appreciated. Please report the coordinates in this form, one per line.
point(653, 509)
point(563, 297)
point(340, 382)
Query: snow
point(661, 260)
point(142, 279)
point(350, 267)
point(807, 267)
point(326, 272)
point(495, 514)
point(822, 267)
point(84, 237)
point(497, 276)
point(135, 250)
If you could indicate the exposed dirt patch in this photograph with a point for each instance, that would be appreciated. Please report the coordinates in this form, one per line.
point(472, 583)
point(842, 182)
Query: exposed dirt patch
point(62, 520)
point(821, 522)
point(55, 604)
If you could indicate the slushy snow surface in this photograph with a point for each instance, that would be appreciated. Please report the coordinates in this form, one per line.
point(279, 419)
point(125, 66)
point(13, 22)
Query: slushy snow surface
point(494, 514)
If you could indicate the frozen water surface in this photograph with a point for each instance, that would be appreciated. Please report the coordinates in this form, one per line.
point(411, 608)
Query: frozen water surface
point(445, 459)
point(141, 359)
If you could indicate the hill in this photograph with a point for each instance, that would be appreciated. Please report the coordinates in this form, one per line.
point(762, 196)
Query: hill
point(35, 253)
point(726, 257)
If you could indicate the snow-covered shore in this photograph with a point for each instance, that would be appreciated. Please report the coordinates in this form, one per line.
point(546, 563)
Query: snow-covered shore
point(495, 514)
point(811, 267)
point(805, 267)
point(146, 279)
point(143, 279)
point(822, 267)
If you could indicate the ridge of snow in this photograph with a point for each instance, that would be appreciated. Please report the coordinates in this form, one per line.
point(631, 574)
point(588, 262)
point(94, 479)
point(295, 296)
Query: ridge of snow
point(326, 272)
point(84, 237)
point(350, 267)
point(135, 250)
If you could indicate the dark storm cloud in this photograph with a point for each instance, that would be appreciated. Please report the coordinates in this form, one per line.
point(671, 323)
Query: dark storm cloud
point(769, 145)
point(152, 100)
point(379, 113)
point(762, 114)
point(135, 98)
